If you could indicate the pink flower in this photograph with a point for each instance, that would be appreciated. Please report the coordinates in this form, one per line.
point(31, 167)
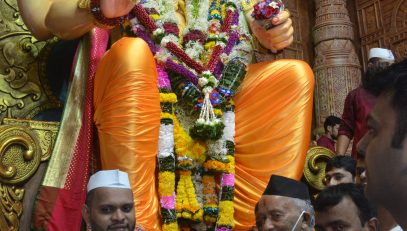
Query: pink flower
point(168, 202)
point(228, 180)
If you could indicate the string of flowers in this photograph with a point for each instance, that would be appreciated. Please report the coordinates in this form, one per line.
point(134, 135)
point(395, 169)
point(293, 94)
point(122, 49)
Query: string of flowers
point(166, 158)
point(194, 37)
point(225, 219)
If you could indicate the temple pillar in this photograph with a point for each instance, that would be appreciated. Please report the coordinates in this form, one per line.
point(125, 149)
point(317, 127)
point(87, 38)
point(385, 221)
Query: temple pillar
point(336, 65)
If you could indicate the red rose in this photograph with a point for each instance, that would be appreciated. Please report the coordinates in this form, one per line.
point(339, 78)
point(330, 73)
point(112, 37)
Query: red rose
point(269, 11)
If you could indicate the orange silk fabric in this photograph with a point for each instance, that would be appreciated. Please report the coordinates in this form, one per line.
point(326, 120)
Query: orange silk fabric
point(273, 125)
point(127, 116)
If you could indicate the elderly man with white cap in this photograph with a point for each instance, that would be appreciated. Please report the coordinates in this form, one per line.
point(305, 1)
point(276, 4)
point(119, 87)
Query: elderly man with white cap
point(359, 102)
point(109, 203)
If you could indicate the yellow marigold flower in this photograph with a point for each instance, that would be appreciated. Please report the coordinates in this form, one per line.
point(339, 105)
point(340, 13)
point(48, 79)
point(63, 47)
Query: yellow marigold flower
point(216, 165)
point(201, 159)
point(198, 215)
point(212, 205)
point(186, 215)
point(166, 115)
point(170, 227)
point(166, 185)
point(226, 205)
point(198, 151)
point(215, 12)
point(218, 112)
point(210, 45)
point(210, 219)
point(231, 165)
point(226, 211)
point(155, 17)
point(168, 98)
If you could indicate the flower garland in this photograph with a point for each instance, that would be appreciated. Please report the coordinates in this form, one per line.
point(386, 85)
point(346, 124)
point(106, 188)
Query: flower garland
point(166, 158)
point(208, 59)
point(225, 219)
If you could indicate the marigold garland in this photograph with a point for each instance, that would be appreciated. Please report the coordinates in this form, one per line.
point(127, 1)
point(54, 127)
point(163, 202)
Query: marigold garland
point(166, 161)
point(170, 227)
point(226, 208)
point(164, 187)
point(168, 98)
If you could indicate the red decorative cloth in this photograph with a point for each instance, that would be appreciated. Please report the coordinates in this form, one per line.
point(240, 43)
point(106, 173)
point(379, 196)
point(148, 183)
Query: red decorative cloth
point(59, 209)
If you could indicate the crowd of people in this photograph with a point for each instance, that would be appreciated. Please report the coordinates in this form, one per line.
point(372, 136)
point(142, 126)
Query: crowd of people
point(350, 128)
point(362, 121)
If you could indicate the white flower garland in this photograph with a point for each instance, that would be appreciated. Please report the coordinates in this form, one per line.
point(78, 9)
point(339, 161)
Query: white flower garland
point(166, 141)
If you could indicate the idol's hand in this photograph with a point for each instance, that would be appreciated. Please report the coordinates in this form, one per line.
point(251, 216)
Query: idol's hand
point(278, 37)
point(116, 8)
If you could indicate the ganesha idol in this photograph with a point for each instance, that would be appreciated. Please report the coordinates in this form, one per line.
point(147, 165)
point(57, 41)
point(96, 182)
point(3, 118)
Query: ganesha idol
point(180, 104)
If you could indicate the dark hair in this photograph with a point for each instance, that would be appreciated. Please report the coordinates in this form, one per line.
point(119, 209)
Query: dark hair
point(345, 162)
point(393, 81)
point(331, 121)
point(331, 196)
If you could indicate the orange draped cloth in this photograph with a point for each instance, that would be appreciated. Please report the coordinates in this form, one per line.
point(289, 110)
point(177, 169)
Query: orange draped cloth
point(273, 125)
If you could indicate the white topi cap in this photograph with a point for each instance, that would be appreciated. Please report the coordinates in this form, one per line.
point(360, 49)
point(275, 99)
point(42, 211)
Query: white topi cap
point(109, 179)
point(382, 53)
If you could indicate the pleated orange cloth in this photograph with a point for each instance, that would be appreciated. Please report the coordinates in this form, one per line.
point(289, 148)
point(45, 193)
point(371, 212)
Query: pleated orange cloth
point(127, 117)
point(273, 125)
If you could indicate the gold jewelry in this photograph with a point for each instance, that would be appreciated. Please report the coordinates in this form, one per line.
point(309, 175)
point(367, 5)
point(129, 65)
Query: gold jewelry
point(84, 4)
point(248, 4)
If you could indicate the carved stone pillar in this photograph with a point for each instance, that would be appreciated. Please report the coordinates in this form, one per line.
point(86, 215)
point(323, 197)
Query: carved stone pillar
point(337, 68)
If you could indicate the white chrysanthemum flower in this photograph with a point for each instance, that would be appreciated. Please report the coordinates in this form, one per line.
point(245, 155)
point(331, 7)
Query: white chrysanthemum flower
point(158, 32)
point(162, 55)
point(212, 79)
point(202, 81)
point(166, 140)
point(229, 122)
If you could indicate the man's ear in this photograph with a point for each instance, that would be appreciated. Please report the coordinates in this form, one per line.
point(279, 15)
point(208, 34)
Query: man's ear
point(306, 221)
point(86, 214)
point(373, 224)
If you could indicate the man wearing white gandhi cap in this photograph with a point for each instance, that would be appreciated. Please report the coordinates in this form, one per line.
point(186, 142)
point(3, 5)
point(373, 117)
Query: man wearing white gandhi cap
point(359, 102)
point(109, 203)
